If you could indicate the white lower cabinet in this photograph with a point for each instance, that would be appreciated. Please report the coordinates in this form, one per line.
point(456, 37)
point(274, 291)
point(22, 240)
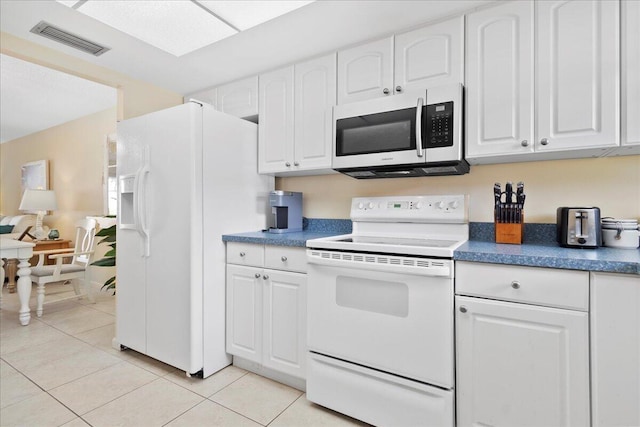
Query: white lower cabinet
point(519, 363)
point(615, 349)
point(266, 306)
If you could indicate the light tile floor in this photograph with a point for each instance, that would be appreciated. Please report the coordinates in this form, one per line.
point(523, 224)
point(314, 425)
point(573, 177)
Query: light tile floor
point(61, 370)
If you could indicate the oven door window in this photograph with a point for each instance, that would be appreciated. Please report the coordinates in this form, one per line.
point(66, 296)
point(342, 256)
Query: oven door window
point(376, 296)
point(377, 133)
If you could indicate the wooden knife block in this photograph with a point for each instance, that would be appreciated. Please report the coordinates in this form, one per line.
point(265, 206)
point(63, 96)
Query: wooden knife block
point(510, 233)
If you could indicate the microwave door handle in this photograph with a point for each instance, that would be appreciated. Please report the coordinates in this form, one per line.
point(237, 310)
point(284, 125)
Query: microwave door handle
point(419, 150)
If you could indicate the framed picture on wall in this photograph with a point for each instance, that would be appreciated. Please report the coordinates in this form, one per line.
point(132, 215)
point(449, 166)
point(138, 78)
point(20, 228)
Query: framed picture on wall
point(35, 176)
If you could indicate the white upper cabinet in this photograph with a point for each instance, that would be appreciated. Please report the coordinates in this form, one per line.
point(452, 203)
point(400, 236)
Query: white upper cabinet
point(365, 71)
point(296, 118)
point(315, 96)
point(499, 86)
point(275, 127)
point(577, 72)
point(630, 93)
point(430, 56)
point(412, 61)
point(208, 96)
point(239, 98)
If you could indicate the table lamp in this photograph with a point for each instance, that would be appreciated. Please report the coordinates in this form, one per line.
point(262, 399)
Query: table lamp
point(40, 201)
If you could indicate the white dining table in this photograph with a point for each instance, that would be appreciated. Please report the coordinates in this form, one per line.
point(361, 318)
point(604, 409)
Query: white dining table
point(23, 251)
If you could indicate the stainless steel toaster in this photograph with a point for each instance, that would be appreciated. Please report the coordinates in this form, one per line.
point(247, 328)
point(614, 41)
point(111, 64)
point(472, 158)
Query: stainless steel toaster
point(579, 227)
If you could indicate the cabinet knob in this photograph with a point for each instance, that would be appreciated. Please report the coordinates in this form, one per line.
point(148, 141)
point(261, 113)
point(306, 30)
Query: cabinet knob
point(463, 309)
point(257, 275)
point(524, 143)
point(287, 164)
point(515, 284)
point(265, 277)
point(242, 254)
point(398, 88)
point(296, 163)
point(385, 91)
point(283, 259)
point(544, 141)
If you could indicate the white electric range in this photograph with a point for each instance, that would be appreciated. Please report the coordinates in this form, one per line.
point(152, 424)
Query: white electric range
point(380, 311)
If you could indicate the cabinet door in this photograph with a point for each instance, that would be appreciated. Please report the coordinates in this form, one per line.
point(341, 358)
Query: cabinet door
point(239, 98)
point(577, 74)
point(315, 96)
point(630, 73)
point(520, 364)
point(499, 85)
point(615, 349)
point(285, 320)
point(275, 127)
point(365, 71)
point(208, 96)
point(430, 56)
point(244, 312)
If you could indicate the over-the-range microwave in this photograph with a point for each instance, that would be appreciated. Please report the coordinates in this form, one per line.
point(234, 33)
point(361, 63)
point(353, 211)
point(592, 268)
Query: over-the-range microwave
point(378, 138)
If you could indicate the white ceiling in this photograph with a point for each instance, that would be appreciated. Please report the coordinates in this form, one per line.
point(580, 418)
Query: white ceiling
point(320, 27)
point(33, 98)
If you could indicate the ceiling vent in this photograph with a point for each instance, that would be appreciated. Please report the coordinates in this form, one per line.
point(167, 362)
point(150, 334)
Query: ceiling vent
point(54, 33)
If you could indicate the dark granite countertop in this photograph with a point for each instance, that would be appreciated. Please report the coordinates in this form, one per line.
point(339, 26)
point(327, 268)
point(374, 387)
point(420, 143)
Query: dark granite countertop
point(284, 239)
point(552, 256)
point(539, 248)
point(313, 229)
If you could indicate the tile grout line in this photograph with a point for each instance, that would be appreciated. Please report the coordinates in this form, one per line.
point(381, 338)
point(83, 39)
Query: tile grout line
point(282, 412)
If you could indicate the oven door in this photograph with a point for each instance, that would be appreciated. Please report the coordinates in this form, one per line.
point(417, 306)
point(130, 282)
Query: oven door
point(390, 313)
point(379, 132)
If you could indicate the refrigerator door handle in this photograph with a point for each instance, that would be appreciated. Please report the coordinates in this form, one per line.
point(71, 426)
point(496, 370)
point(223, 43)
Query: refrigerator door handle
point(141, 219)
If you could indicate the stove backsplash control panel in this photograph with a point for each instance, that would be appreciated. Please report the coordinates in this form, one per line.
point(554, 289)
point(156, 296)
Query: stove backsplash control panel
point(436, 208)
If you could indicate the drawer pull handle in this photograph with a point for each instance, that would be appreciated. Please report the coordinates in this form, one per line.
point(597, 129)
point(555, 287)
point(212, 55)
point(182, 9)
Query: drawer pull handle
point(463, 309)
point(265, 277)
point(242, 254)
point(257, 275)
point(515, 284)
point(283, 259)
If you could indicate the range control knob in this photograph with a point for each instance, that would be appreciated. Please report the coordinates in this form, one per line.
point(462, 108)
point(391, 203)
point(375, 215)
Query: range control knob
point(370, 205)
point(439, 205)
point(454, 204)
point(418, 205)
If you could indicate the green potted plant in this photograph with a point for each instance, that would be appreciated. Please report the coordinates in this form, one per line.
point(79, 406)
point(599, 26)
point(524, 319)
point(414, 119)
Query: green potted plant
point(109, 259)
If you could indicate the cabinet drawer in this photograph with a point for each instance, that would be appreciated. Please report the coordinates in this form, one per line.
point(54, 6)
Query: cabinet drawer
point(531, 285)
point(245, 254)
point(285, 258)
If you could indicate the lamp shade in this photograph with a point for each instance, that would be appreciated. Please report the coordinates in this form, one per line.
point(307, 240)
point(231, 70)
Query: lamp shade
point(38, 200)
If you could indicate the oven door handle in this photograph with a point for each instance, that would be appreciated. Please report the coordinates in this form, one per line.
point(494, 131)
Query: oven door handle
point(419, 150)
point(382, 263)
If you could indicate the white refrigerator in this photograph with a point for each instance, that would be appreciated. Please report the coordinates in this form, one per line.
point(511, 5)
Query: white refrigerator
point(186, 175)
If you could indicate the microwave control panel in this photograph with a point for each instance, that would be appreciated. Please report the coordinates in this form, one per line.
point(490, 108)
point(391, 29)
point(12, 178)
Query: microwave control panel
point(439, 125)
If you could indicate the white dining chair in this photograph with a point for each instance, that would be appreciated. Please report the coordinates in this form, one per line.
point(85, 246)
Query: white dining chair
point(81, 255)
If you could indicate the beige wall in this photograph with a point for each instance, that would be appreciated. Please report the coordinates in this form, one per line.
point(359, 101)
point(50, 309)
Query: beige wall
point(75, 151)
point(612, 184)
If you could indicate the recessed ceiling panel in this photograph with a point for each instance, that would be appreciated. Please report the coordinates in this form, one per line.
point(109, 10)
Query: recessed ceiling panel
point(175, 26)
point(244, 14)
